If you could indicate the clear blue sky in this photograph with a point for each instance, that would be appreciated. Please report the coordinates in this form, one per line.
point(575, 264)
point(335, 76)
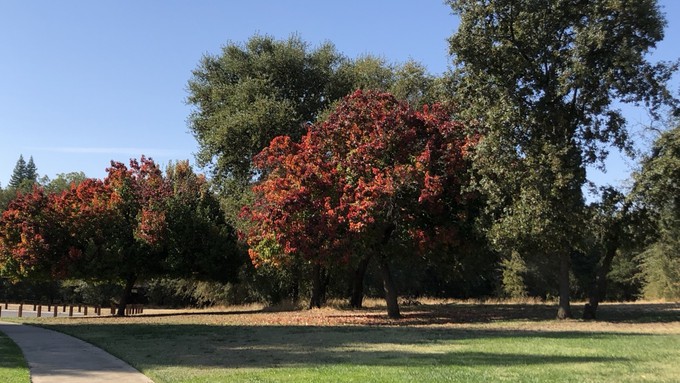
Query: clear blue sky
point(86, 82)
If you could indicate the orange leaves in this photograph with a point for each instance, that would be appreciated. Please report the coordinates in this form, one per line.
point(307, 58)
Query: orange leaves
point(29, 235)
point(432, 188)
point(151, 228)
point(134, 222)
point(50, 233)
point(374, 163)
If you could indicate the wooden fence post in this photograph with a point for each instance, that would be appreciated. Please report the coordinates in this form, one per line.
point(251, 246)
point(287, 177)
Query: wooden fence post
point(21, 310)
point(39, 314)
point(70, 310)
point(85, 311)
point(56, 310)
point(0, 311)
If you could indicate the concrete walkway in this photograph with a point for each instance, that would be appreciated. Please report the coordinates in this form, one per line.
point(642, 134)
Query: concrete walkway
point(54, 357)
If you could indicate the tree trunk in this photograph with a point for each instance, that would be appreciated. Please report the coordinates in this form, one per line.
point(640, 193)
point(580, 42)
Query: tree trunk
point(295, 284)
point(315, 300)
point(357, 297)
point(599, 288)
point(390, 289)
point(325, 281)
point(127, 294)
point(564, 308)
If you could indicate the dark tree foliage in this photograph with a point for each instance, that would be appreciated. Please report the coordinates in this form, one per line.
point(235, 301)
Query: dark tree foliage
point(657, 191)
point(24, 176)
point(542, 77)
point(253, 92)
point(19, 173)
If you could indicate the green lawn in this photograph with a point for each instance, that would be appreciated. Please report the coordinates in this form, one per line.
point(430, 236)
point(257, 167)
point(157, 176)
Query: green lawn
point(224, 347)
point(13, 368)
point(187, 353)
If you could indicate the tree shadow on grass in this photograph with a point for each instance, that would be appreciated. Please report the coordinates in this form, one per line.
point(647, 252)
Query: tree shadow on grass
point(10, 355)
point(233, 346)
point(462, 313)
point(456, 313)
point(639, 312)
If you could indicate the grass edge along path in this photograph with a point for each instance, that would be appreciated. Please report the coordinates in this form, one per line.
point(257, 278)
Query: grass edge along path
point(204, 346)
point(13, 366)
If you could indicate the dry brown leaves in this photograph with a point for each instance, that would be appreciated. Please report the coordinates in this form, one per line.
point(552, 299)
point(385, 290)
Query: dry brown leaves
point(615, 317)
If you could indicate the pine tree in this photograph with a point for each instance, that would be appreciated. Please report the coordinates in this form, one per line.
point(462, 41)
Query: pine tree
point(24, 174)
point(19, 174)
point(31, 171)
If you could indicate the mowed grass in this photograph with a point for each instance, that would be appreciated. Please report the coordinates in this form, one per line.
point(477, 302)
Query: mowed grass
point(453, 342)
point(13, 367)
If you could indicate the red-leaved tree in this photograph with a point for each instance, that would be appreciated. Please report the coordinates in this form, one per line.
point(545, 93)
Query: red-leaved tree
point(136, 223)
point(33, 239)
point(376, 178)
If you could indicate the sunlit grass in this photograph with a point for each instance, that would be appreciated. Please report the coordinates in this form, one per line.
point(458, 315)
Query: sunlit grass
point(454, 342)
point(13, 367)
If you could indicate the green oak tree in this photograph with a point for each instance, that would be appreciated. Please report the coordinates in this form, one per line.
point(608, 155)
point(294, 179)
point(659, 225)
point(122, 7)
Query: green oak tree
point(251, 93)
point(64, 181)
point(542, 78)
point(657, 189)
point(6, 195)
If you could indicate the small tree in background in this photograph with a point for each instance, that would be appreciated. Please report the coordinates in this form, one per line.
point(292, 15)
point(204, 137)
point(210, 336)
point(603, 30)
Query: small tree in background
point(31, 171)
point(19, 173)
point(24, 175)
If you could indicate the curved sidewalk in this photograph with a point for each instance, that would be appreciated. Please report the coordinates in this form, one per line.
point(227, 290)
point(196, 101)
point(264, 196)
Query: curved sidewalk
point(54, 357)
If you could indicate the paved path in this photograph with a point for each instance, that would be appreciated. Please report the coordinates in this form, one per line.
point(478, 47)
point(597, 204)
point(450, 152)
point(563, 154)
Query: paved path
point(54, 357)
point(32, 314)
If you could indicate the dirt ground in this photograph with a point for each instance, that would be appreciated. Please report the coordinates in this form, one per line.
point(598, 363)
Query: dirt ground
point(643, 317)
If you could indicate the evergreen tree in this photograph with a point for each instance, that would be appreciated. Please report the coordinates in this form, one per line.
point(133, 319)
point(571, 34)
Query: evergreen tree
point(24, 174)
point(19, 173)
point(31, 171)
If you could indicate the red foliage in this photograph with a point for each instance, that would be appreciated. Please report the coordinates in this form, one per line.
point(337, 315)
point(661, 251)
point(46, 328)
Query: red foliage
point(31, 237)
point(374, 172)
point(140, 193)
point(105, 221)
